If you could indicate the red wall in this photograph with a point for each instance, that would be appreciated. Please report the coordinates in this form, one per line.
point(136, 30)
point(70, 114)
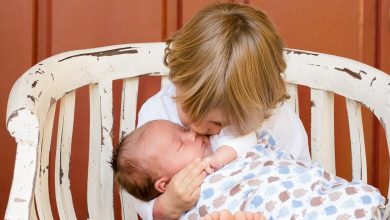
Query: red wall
point(33, 30)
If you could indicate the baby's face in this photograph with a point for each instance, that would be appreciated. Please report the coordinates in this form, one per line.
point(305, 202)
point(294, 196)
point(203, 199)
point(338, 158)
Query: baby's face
point(175, 147)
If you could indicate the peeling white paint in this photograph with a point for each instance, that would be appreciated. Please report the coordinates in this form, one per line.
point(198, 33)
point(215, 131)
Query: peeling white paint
point(30, 109)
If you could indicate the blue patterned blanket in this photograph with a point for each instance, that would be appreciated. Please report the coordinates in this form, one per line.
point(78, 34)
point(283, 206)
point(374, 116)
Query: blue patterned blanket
point(268, 180)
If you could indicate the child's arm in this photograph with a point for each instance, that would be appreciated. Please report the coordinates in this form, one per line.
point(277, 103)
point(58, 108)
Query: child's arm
point(229, 148)
point(222, 156)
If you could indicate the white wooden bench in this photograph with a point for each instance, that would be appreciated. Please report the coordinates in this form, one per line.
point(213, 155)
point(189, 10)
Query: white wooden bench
point(33, 99)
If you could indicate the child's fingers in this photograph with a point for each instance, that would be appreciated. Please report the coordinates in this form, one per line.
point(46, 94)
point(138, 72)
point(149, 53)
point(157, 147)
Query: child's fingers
point(195, 194)
point(196, 183)
point(183, 173)
point(195, 172)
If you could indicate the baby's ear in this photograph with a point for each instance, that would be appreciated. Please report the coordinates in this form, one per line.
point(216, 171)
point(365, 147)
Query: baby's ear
point(161, 184)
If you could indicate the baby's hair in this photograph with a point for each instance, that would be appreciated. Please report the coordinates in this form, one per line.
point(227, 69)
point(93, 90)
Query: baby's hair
point(228, 56)
point(131, 171)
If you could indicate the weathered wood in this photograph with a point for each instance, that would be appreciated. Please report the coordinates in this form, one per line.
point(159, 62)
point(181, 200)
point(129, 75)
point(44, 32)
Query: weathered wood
point(63, 154)
point(100, 182)
point(164, 81)
point(292, 90)
point(41, 86)
point(358, 150)
point(42, 185)
point(127, 124)
point(21, 193)
point(322, 129)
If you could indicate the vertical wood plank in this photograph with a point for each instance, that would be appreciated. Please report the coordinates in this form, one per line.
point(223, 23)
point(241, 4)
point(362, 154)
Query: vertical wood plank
point(100, 182)
point(127, 124)
point(322, 130)
point(387, 211)
point(42, 183)
point(33, 211)
point(292, 90)
point(382, 62)
point(164, 81)
point(21, 194)
point(62, 164)
point(105, 90)
point(93, 195)
point(358, 151)
point(16, 55)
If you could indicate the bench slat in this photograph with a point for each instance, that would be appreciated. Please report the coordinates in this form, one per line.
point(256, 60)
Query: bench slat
point(127, 124)
point(322, 130)
point(292, 90)
point(42, 186)
point(358, 151)
point(100, 182)
point(62, 164)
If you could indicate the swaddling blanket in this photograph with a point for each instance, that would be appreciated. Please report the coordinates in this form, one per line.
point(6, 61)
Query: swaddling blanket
point(270, 181)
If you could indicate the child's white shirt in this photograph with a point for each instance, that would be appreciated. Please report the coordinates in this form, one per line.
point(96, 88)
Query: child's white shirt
point(286, 127)
point(241, 144)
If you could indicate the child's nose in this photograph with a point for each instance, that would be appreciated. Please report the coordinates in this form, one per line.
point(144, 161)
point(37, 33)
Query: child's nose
point(199, 128)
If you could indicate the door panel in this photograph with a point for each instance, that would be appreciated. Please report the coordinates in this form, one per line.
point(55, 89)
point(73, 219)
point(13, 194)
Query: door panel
point(17, 54)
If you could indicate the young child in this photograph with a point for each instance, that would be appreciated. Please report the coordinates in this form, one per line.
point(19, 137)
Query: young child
point(225, 68)
point(152, 154)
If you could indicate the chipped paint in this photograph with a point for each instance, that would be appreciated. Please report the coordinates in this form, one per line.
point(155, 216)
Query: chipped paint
point(52, 101)
point(124, 50)
point(372, 81)
point(39, 71)
point(312, 104)
point(112, 133)
point(61, 175)
point(351, 73)
point(32, 98)
point(34, 84)
point(288, 51)
point(154, 74)
point(13, 115)
point(52, 76)
point(19, 200)
point(123, 135)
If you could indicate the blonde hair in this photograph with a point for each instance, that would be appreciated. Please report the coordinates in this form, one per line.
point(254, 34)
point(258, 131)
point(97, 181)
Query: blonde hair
point(228, 56)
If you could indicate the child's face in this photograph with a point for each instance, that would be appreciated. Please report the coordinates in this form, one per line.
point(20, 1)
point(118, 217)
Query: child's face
point(211, 125)
point(175, 147)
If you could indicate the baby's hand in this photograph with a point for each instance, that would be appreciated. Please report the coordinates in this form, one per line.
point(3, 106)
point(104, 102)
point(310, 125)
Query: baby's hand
point(213, 164)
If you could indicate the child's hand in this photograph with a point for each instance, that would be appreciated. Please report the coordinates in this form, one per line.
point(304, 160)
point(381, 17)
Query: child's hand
point(182, 193)
point(213, 164)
